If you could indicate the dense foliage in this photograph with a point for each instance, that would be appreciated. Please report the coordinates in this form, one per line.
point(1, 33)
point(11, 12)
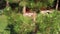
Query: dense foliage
point(19, 24)
point(12, 22)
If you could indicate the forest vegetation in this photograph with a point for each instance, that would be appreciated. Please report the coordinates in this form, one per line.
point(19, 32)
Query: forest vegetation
point(25, 17)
